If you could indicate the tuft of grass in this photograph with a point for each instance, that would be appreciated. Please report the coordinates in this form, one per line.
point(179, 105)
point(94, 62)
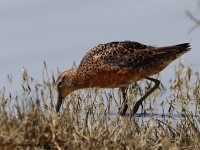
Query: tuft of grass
point(88, 119)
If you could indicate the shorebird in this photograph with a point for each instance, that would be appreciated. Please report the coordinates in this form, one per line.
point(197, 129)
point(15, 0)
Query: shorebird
point(116, 65)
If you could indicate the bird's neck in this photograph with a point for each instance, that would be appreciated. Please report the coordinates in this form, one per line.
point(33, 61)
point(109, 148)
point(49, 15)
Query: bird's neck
point(80, 81)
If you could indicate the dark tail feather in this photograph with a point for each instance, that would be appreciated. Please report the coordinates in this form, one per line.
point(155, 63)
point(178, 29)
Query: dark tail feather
point(174, 50)
point(183, 47)
point(180, 49)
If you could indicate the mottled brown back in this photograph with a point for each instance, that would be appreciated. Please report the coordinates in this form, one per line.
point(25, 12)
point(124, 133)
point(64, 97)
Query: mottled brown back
point(126, 55)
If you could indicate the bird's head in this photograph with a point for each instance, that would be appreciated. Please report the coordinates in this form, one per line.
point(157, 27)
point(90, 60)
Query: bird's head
point(64, 86)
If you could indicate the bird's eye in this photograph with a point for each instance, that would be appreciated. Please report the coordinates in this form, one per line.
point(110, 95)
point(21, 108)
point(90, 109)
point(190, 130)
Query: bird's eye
point(60, 84)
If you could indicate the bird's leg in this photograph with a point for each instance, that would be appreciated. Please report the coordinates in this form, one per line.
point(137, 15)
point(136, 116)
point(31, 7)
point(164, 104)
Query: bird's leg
point(124, 107)
point(139, 102)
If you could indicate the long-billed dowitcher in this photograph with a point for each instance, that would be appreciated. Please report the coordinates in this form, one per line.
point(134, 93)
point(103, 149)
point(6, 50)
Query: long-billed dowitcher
point(116, 65)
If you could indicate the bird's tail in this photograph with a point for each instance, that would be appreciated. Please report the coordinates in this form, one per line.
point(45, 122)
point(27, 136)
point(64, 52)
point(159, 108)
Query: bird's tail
point(180, 49)
point(185, 47)
point(174, 50)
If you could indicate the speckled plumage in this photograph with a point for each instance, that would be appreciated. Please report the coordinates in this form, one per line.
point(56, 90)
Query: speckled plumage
point(117, 64)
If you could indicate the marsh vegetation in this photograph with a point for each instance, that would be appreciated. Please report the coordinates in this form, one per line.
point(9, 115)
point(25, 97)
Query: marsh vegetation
point(168, 119)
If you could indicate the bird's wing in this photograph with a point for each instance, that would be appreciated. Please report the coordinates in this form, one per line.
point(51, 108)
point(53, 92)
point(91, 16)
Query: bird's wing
point(111, 53)
point(137, 59)
point(128, 55)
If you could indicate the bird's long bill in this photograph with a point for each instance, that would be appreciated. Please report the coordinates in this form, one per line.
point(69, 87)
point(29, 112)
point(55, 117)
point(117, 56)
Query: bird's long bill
point(59, 103)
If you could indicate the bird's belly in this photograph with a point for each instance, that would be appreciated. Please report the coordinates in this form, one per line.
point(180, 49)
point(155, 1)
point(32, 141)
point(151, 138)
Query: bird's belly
point(125, 77)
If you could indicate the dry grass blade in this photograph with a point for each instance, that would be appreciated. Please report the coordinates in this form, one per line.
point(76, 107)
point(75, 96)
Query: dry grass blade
point(90, 121)
point(194, 19)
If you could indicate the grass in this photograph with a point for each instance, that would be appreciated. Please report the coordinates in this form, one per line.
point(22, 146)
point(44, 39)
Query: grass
point(89, 119)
